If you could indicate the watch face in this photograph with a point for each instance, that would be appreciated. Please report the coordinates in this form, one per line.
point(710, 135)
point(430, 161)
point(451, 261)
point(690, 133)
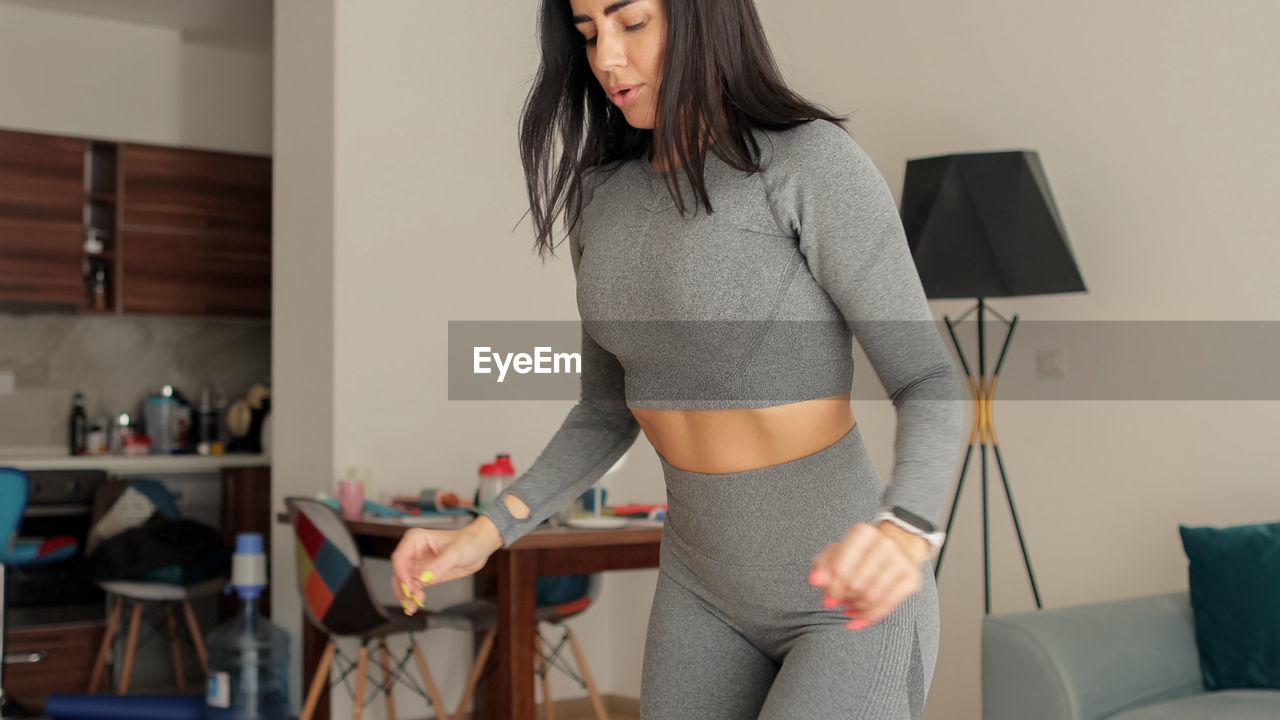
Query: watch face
point(913, 519)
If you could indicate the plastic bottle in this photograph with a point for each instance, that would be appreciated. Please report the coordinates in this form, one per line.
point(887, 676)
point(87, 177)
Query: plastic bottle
point(248, 656)
point(160, 414)
point(495, 477)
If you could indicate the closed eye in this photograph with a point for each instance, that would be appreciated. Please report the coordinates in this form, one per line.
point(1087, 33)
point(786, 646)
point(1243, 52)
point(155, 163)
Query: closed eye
point(592, 41)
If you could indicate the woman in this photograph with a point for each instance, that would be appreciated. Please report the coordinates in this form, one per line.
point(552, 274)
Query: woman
point(729, 239)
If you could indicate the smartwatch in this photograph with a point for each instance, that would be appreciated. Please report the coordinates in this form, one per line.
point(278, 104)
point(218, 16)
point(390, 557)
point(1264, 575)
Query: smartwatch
point(915, 525)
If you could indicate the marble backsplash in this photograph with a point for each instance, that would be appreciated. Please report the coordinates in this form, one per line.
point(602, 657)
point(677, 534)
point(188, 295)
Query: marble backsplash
point(115, 361)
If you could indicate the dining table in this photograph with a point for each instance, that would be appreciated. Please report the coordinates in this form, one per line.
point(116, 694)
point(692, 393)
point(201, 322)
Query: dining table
point(506, 689)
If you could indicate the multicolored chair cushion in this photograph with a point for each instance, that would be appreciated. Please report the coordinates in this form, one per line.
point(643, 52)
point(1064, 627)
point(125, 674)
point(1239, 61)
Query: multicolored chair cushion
point(15, 487)
point(329, 575)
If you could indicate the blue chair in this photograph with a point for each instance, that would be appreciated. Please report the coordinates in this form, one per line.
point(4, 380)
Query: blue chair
point(556, 613)
point(15, 487)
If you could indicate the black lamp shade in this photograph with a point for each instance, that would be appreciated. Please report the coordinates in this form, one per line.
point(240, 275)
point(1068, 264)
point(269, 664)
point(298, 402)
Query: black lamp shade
point(985, 225)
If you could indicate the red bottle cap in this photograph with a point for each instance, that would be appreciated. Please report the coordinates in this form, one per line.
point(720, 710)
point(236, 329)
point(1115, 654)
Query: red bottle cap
point(501, 466)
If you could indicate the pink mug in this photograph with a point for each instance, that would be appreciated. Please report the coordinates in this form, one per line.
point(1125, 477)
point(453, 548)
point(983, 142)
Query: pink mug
point(351, 498)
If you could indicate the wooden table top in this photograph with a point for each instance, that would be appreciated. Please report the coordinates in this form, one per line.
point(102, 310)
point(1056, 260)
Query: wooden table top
point(539, 538)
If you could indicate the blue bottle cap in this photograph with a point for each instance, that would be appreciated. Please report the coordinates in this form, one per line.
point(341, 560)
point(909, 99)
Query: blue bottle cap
point(249, 543)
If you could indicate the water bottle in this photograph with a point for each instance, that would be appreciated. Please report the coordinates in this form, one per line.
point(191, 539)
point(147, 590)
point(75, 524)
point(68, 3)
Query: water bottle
point(495, 477)
point(248, 656)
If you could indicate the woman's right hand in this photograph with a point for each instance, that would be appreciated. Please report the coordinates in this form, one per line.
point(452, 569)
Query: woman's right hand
point(426, 557)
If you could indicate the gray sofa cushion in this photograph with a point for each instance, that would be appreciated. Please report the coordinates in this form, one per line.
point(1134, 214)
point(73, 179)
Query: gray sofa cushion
point(1090, 661)
point(1233, 704)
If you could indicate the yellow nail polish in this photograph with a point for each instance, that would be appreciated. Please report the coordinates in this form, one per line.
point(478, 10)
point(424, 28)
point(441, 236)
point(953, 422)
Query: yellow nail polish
point(427, 576)
point(404, 589)
point(418, 599)
point(408, 608)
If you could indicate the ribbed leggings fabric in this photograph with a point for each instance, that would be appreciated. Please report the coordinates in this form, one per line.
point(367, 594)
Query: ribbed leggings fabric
point(736, 632)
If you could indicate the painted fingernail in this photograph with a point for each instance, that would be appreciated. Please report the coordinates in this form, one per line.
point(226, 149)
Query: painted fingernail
point(405, 589)
point(857, 624)
point(427, 576)
point(418, 599)
point(408, 608)
point(829, 602)
point(850, 612)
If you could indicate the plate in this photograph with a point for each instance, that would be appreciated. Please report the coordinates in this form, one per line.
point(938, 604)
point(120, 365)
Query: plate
point(600, 523)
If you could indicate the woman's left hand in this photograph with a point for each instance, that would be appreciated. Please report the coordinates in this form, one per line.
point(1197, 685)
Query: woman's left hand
point(870, 571)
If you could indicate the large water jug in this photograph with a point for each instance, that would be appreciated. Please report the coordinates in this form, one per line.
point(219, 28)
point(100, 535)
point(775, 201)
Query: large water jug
point(248, 656)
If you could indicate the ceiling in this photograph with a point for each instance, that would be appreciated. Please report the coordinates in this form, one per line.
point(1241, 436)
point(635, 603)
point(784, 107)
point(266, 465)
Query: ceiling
point(236, 24)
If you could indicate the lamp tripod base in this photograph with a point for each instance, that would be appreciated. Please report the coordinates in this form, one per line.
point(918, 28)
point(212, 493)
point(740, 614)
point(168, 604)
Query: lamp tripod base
point(983, 390)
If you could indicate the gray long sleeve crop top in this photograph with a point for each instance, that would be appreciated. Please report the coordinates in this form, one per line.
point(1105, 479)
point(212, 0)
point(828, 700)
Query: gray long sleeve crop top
point(750, 306)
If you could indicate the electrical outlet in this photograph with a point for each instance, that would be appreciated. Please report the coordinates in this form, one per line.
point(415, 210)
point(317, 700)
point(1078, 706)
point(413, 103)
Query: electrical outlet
point(1051, 364)
point(7, 384)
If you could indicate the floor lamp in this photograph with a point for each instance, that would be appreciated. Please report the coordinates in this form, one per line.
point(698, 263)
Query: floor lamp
point(984, 225)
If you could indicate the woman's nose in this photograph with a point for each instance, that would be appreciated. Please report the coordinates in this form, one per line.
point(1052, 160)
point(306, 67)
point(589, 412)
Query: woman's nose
point(609, 51)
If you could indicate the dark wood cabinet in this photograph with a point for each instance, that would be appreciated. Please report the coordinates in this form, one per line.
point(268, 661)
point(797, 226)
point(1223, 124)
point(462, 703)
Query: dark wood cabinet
point(47, 659)
point(196, 232)
point(195, 190)
point(178, 273)
point(41, 225)
point(41, 177)
point(113, 227)
point(41, 262)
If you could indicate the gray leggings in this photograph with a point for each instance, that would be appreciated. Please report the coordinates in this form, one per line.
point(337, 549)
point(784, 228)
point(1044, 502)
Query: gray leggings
point(736, 631)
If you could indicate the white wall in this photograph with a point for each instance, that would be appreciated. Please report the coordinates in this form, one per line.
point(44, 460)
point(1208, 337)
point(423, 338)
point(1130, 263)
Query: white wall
point(400, 182)
point(302, 277)
point(91, 77)
point(225, 98)
point(1151, 120)
point(398, 185)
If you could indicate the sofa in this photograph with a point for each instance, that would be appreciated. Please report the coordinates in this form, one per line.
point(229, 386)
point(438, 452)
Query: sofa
point(1130, 659)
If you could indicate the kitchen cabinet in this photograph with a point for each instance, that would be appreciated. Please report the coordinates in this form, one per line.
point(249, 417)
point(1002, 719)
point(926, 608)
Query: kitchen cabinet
point(41, 177)
point(41, 204)
point(177, 273)
point(40, 262)
point(196, 228)
point(101, 226)
point(195, 191)
point(47, 659)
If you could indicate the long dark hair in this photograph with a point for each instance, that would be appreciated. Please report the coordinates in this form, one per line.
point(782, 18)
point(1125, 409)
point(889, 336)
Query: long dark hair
point(719, 81)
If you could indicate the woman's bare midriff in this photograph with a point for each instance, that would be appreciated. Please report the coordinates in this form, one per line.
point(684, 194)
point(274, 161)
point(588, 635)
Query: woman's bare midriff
point(737, 439)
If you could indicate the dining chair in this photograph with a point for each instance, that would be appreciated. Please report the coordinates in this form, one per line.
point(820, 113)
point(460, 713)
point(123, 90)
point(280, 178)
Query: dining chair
point(333, 579)
point(550, 655)
point(124, 506)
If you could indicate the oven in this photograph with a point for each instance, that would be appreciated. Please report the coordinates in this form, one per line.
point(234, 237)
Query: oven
point(55, 615)
point(61, 503)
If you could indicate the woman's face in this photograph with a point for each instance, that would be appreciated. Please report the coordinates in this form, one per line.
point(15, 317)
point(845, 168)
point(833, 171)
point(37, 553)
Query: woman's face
point(625, 42)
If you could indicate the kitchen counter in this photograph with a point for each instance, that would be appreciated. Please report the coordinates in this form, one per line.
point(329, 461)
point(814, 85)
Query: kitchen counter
point(127, 464)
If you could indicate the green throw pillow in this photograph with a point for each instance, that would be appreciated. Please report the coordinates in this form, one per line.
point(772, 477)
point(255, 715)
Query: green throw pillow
point(1235, 600)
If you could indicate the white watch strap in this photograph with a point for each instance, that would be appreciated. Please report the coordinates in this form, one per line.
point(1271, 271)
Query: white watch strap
point(934, 539)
